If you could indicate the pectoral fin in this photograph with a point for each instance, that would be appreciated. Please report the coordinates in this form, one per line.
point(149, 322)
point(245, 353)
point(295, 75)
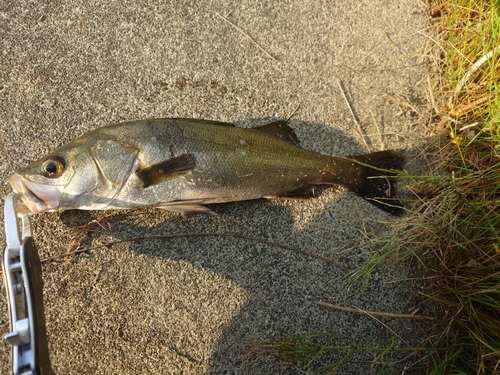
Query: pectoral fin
point(166, 170)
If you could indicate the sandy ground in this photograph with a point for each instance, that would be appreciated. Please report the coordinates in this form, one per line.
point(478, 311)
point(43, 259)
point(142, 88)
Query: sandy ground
point(189, 305)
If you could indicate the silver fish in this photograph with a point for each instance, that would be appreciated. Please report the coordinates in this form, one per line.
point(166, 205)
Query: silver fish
point(183, 164)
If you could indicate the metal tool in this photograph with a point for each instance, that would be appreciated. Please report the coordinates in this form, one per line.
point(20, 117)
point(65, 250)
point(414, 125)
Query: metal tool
point(23, 283)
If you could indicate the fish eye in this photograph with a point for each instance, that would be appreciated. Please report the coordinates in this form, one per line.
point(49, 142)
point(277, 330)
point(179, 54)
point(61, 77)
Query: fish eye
point(53, 166)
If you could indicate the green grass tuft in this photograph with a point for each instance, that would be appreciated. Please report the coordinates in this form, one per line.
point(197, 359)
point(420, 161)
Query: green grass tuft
point(305, 352)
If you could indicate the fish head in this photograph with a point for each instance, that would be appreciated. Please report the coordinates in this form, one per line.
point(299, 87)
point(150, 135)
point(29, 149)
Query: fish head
point(85, 174)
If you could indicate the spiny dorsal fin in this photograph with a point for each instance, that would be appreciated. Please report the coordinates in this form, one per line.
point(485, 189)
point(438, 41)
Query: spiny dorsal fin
point(166, 170)
point(281, 130)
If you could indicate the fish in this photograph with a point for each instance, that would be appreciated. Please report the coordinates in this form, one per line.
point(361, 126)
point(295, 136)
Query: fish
point(184, 164)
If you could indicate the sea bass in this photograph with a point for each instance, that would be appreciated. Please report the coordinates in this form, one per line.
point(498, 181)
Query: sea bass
point(184, 164)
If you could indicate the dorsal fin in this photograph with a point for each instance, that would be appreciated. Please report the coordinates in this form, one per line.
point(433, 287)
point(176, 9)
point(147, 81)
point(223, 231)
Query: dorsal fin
point(281, 130)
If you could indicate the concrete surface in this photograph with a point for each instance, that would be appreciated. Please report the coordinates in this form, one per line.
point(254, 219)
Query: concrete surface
point(190, 305)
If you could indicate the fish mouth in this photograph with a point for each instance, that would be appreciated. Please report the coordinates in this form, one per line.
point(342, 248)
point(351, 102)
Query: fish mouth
point(33, 198)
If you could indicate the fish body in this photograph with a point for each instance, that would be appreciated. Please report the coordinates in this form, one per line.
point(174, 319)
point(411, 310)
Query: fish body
point(183, 164)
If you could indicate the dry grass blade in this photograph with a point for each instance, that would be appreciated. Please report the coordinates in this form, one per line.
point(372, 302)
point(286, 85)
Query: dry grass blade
point(470, 72)
point(248, 36)
point(377, 313)
point(359, 130)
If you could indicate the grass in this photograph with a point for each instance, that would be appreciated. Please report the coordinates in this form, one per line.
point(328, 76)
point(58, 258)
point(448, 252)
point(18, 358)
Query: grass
point(453, 224)
point(305, 352)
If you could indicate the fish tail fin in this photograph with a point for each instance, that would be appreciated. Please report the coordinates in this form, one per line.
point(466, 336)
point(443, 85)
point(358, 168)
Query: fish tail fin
point(377, 183)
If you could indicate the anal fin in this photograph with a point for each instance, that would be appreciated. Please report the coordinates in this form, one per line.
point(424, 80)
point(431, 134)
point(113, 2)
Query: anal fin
point(187, 207)
point(304, 192)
